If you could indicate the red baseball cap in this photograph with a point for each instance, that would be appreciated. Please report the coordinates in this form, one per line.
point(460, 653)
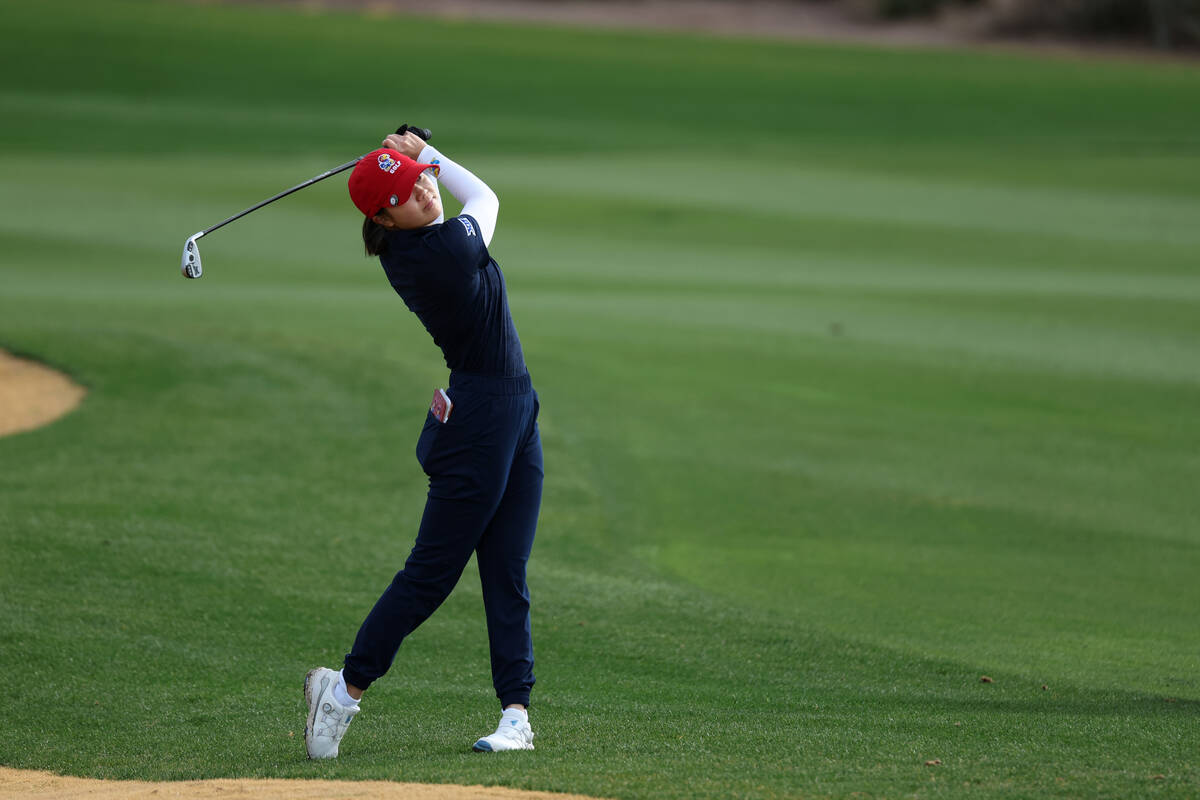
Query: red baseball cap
point(384, 177)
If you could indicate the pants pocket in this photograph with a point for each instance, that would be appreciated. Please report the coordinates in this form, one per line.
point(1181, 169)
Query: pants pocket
point(425, 440)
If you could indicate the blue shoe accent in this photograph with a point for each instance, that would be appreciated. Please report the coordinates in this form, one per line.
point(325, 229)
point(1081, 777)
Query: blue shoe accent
point(482, 747)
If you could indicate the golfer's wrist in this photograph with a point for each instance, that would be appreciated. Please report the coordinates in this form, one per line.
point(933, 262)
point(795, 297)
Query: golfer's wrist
point(430, 155)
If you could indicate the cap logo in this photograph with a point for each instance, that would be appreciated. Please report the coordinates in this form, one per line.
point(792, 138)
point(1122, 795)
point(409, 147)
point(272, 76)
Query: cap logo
point(388, 164)
point(393, 200)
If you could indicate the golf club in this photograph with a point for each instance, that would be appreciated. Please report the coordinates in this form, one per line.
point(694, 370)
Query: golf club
point(190, 264)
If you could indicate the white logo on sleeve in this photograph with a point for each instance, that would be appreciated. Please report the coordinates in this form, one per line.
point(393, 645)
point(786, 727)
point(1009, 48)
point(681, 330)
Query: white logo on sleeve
point(467, 224)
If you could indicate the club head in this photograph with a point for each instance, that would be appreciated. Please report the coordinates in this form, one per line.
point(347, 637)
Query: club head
point(190, 265)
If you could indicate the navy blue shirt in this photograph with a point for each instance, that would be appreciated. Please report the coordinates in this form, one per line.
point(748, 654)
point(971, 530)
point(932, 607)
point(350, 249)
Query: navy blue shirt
point(448, 279)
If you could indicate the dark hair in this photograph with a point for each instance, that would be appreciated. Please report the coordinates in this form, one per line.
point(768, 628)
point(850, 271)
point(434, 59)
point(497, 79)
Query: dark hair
point(374, 237)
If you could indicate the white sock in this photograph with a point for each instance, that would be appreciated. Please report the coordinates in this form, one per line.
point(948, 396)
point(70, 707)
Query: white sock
point(519, 714)
point(340, 694)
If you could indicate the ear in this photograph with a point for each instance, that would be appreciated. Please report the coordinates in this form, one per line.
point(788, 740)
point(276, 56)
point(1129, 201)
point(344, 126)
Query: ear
point(384, 220)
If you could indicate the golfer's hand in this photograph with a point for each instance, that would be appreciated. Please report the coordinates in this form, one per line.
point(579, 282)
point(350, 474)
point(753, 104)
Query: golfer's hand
point(409, 144)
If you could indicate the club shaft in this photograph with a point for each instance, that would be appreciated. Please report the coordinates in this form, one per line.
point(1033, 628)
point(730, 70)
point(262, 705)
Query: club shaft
point(285, 193)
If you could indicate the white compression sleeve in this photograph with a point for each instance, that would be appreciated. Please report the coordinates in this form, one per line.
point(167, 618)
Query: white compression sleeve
point(477, 199)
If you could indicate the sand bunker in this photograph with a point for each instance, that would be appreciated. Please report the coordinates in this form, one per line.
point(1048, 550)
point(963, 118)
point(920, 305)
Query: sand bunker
point(33, 395)
point(25, 784)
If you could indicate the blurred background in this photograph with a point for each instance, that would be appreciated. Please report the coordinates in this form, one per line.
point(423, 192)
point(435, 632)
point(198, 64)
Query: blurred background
point(1163, 23)
point(1159, 24)
point(867, 353)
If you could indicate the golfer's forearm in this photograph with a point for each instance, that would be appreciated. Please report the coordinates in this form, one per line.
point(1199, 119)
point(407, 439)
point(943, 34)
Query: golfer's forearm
point(477, 199)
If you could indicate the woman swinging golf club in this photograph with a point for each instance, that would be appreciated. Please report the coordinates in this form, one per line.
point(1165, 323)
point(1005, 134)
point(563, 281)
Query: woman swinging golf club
point(479, 446)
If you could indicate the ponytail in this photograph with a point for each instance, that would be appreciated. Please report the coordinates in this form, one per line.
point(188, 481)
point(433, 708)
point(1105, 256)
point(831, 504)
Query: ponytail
point(374, 237)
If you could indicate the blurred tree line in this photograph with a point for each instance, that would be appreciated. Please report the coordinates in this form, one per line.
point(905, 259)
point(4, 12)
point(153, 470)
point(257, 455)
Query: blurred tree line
point(1164, 23)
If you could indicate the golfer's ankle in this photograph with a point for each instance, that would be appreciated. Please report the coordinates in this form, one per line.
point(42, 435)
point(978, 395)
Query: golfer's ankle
point(354, 691)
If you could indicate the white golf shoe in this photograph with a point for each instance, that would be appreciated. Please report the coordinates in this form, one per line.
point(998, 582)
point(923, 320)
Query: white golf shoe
point(327, 718)
point(513, 734)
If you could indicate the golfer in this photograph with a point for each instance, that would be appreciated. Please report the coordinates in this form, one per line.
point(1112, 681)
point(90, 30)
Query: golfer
point(479, 446)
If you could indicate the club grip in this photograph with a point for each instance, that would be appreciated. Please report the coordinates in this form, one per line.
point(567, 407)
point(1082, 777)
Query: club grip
point(424, 133)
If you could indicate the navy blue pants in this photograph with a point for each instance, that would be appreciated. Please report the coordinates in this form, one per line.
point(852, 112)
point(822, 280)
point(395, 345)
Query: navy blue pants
point(485, 489)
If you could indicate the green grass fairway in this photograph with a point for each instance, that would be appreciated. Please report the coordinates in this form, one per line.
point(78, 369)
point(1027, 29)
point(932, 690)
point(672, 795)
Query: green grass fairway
point(864, 374)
